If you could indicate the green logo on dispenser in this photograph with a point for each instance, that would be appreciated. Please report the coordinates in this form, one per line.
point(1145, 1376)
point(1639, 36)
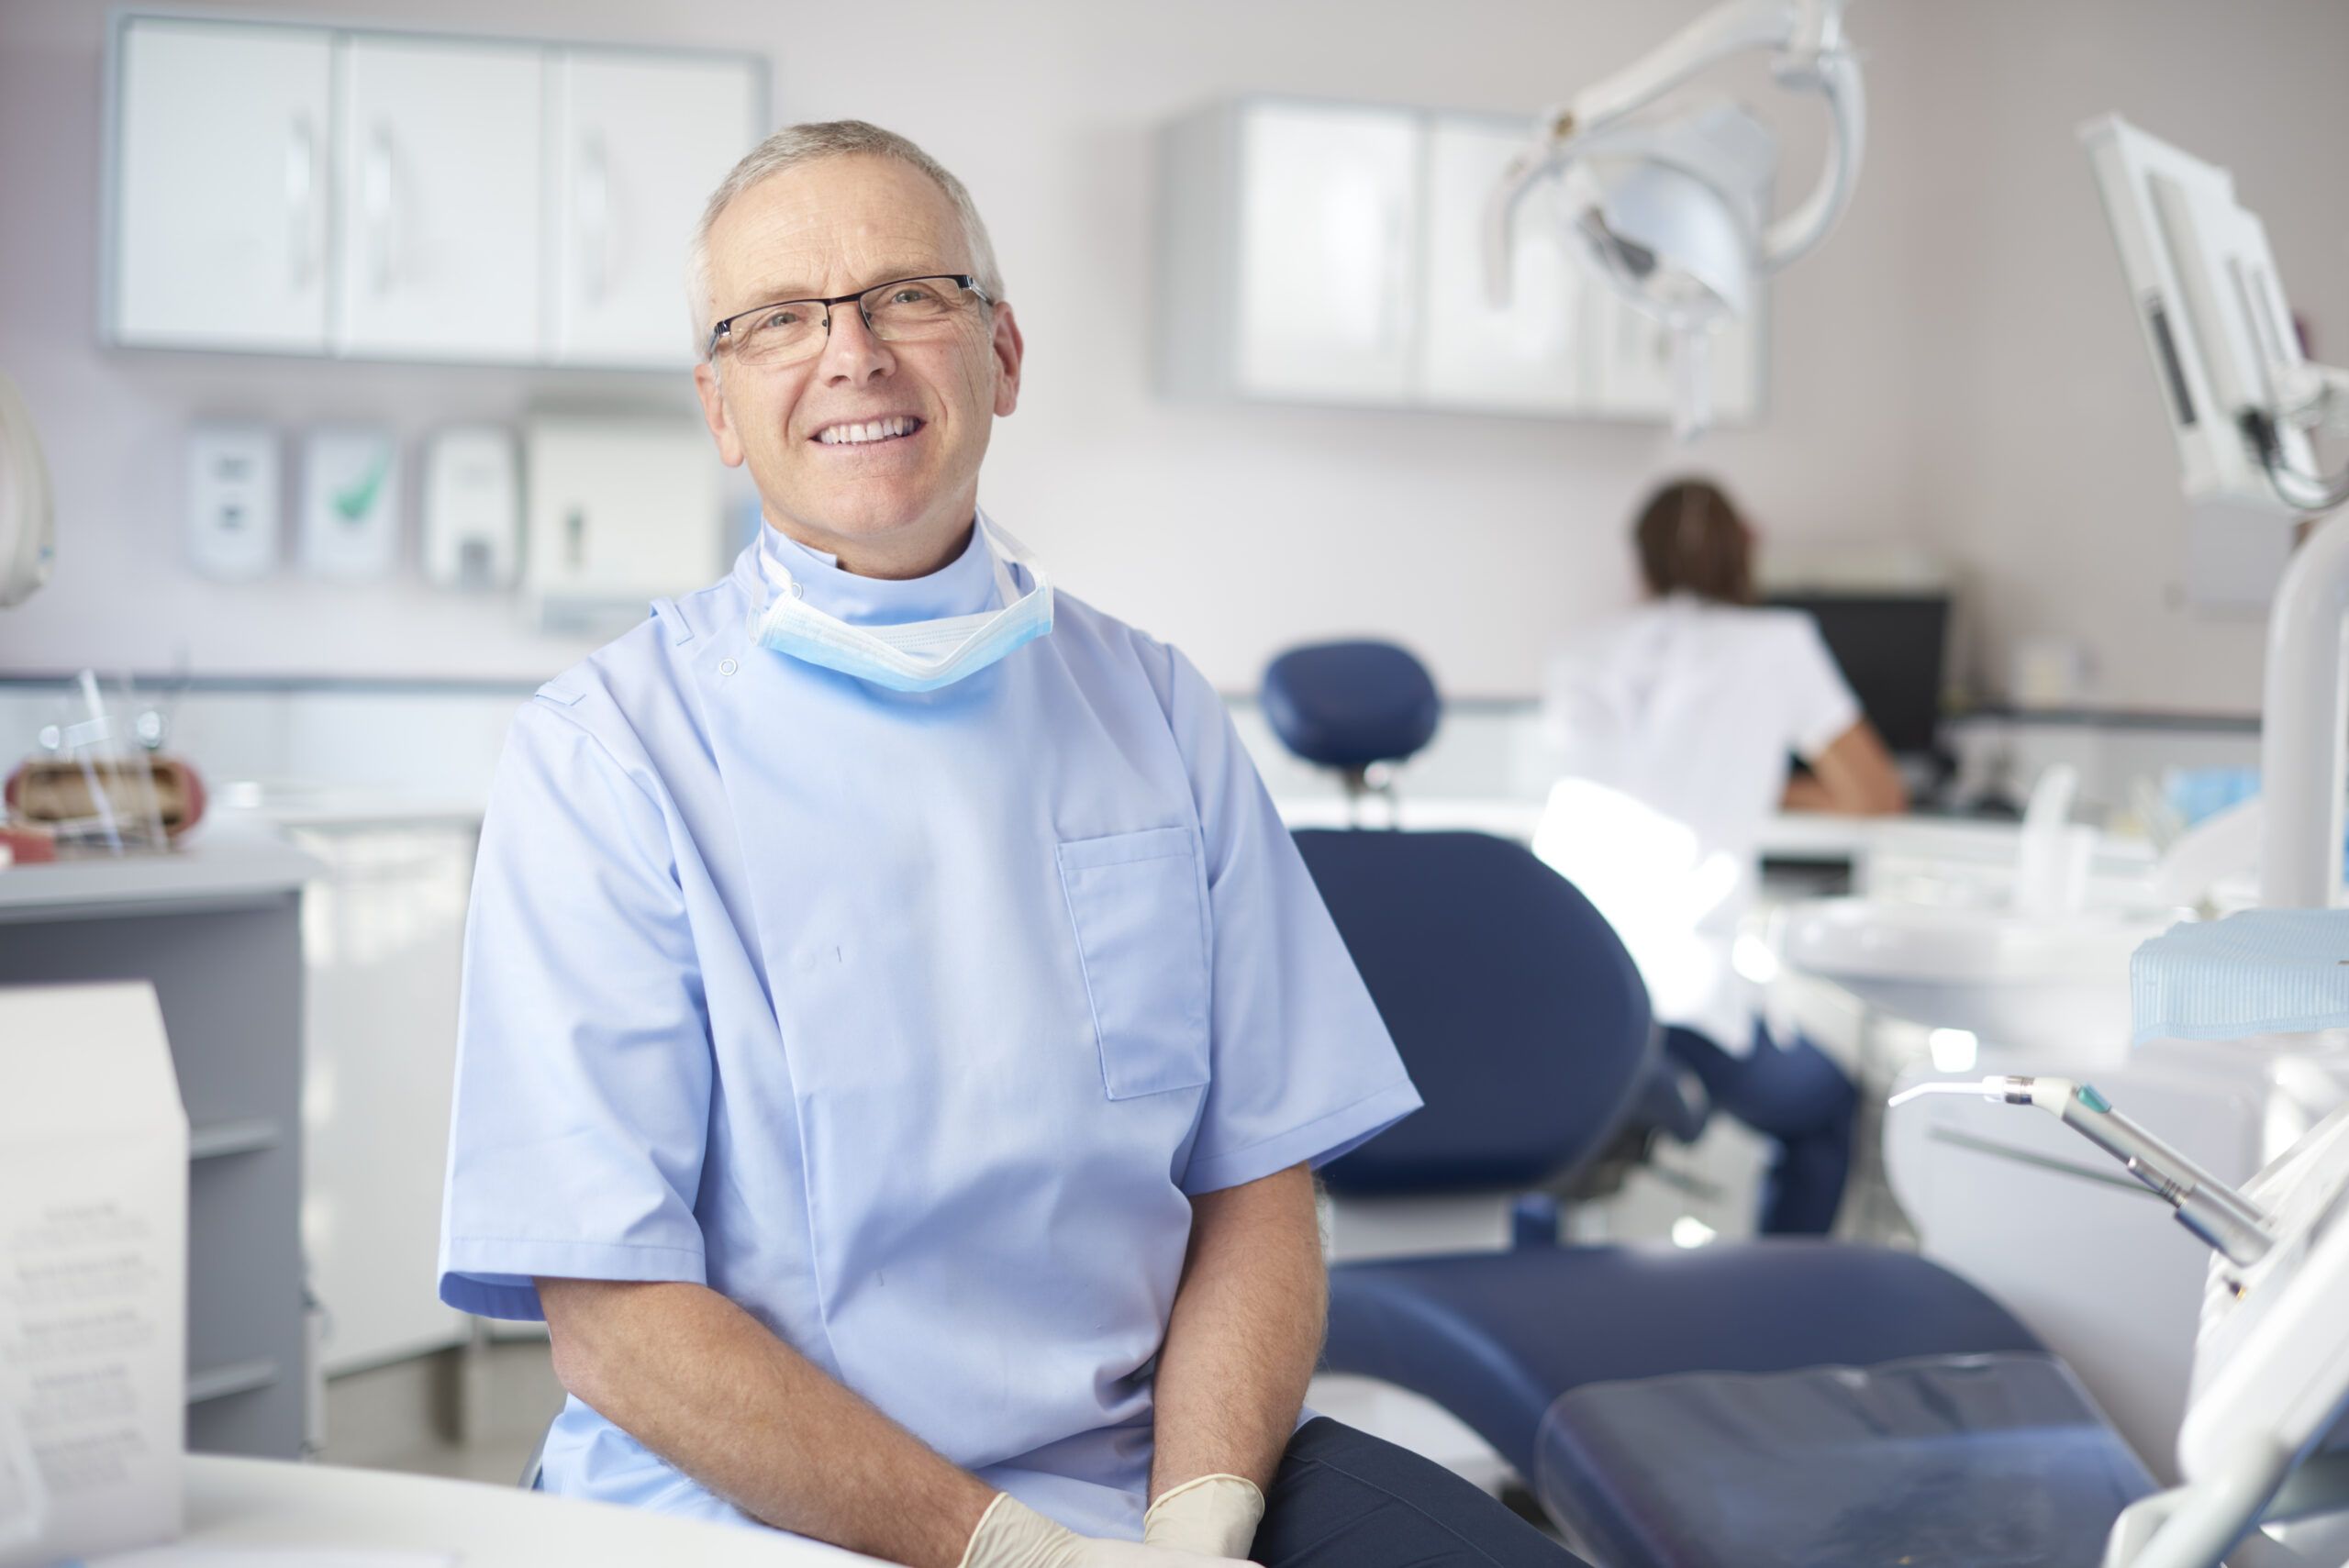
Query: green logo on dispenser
point(354, 501)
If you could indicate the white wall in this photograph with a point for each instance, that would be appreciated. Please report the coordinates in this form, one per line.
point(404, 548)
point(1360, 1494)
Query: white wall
point(1934, 367)
point(2046, 470)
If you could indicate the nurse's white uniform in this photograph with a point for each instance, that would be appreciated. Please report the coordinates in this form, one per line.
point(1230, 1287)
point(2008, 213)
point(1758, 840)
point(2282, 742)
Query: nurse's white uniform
point(910, 1022)
point(1688, 710)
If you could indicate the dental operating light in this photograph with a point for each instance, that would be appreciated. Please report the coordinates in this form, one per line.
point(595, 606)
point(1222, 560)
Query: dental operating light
point(1668, 207)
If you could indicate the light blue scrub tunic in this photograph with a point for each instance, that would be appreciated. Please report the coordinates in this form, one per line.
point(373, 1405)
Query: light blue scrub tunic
point(910, 1022)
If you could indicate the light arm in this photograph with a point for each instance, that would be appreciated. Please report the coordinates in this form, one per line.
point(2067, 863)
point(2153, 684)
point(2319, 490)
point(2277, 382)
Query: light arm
point(1727, 29)
point(1794, 235)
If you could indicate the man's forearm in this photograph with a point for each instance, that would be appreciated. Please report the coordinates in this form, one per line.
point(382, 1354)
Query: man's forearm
point(1244, 1335)
point(705, 1385)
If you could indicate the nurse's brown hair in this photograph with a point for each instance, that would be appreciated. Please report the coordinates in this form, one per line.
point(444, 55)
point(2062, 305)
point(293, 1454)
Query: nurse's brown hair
point(1691, 540)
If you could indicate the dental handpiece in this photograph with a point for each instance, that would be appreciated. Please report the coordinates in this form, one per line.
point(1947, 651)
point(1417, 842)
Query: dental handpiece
point(2221, 1217)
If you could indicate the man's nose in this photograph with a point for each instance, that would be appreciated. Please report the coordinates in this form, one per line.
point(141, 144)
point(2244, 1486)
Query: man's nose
point(851, 353)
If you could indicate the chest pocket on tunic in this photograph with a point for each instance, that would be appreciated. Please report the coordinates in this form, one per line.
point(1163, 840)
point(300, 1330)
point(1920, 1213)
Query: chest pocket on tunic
point(1138, 902)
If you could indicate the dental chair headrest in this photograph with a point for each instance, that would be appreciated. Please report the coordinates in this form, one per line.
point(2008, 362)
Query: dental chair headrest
point(1348, 705)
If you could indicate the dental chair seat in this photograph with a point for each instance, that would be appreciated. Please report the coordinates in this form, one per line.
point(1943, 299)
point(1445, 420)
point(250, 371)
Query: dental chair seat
point(1778, 1403)
point(1496, 1338)
point(1982, 1462)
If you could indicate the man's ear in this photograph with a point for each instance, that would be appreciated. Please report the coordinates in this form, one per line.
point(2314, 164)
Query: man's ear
point(712, 412)
point(1010, 348)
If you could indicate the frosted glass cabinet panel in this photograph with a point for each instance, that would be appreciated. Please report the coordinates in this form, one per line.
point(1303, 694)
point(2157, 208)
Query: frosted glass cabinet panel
point(1333, 254)
point(220, 237)
point(1328, 225)
point(440, 186)
point(636, 145)
point(1531, 354)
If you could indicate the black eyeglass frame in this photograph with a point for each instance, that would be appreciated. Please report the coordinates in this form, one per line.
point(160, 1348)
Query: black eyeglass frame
point(723, 330)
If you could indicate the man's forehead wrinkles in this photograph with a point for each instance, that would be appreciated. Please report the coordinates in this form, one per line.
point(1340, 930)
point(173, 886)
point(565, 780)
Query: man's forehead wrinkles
point(794, 285)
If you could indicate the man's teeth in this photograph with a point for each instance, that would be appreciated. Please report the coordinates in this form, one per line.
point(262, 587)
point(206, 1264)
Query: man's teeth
point(870, 431)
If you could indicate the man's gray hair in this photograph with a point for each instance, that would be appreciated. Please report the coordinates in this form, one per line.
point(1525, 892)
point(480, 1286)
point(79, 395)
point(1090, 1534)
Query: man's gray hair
point(798, 144)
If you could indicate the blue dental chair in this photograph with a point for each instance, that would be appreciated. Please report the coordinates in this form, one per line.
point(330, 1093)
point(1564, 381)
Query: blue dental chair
point(1780, 1404)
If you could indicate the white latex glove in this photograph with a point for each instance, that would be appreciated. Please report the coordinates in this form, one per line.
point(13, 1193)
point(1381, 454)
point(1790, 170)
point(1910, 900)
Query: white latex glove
point(1217, 1515)
point(1012, 1535)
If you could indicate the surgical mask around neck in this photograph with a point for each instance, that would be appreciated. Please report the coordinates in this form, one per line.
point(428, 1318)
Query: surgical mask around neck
point(917, 656)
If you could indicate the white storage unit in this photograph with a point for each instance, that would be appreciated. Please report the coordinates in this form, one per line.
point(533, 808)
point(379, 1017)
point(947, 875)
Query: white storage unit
point(1329, 199)
point(437, 188)
point(1529, 356)
point(382, 942)
point(635, 146)
point(376, 194)
point(1332, 254)
point(216, 929)
point(219, 237)
point(621, 510)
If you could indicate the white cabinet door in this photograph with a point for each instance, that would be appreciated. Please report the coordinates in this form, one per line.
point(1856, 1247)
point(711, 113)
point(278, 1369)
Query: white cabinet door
point(440, 197)
point(382, 935)
point(1329, 215)
point(634, 148)
point(1529, 355)
point(220, 223)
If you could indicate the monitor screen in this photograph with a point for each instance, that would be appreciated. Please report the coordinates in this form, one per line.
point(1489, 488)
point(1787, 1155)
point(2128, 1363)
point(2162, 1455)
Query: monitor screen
point(1891, 647)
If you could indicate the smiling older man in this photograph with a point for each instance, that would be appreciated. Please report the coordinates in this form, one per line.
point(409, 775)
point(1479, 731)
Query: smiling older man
point(896, 1028)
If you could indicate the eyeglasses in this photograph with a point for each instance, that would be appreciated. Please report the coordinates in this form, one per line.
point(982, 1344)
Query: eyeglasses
point(902, 310)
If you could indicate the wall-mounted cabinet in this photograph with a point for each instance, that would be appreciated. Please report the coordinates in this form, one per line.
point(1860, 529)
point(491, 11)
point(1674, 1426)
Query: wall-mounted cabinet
point(437, 182)
point(619, 132)
point(369, 195)
point(219, 185)
point(1331, 254)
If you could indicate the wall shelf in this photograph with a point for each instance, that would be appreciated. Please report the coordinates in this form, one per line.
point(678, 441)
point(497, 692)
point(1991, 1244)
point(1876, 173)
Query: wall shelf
point(221, 1138)
point(237, 1377)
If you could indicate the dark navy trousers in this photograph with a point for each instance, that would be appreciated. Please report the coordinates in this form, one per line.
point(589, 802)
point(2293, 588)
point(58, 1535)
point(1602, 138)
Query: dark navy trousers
point(1345, 1499)
point(1795, 1094)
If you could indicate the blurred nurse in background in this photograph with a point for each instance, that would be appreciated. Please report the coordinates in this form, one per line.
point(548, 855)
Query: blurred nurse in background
point(1678, 723)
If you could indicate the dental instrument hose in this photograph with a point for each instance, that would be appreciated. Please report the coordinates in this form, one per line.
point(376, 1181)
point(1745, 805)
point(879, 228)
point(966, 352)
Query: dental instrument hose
point(2221, 1217)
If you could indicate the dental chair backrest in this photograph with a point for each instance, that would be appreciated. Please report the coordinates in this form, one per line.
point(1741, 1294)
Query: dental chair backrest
point(1517, 1010)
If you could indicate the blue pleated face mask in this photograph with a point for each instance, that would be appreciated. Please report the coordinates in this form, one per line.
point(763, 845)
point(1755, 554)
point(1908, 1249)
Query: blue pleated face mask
point(922, 655)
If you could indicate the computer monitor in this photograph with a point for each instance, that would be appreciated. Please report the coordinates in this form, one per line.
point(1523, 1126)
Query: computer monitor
point(1891, 647)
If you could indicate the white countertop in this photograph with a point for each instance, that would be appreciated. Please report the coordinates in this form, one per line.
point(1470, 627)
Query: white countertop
point(1788, 833)
point(273, 1506)
point(222, 871)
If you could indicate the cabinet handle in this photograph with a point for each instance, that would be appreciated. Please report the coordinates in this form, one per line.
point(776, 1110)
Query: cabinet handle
point(381, 208)
point(302, 201)
point(594, 197)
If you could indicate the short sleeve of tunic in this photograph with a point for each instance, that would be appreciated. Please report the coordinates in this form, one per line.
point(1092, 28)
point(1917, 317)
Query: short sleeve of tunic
point(584, 1059)
point(1302, 1068)
point(1821, 704)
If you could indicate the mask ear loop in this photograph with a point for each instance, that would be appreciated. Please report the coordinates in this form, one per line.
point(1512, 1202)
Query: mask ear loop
point(1007, 586)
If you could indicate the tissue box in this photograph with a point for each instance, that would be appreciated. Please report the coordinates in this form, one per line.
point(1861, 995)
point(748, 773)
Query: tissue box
point(93, 1273)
